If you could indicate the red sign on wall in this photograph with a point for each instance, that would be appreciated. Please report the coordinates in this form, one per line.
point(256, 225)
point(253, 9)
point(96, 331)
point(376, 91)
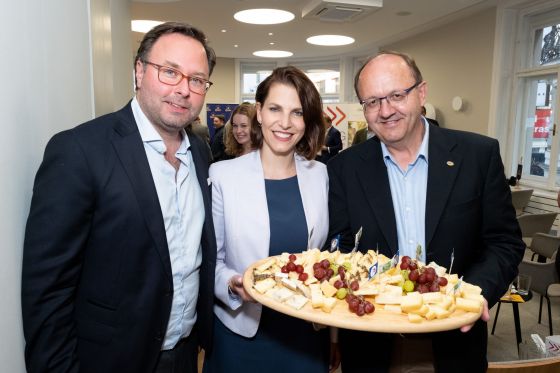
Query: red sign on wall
point(540, 129)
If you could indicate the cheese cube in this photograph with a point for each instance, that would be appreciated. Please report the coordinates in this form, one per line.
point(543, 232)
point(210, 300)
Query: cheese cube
point(388, 298)
point(468, 305)
point(422, 311)
point(317, 299)
point(393, 308)
point(281, 294)
point(432, 297)
point(412, 301)
point(412, 317)
point(267, 264)
point(328, 304)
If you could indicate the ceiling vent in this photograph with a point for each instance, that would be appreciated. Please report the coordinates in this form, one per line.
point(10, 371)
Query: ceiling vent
point(339, 10)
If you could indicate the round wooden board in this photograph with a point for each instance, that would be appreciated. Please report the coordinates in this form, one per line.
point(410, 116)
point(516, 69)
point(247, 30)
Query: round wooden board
point(379, 321)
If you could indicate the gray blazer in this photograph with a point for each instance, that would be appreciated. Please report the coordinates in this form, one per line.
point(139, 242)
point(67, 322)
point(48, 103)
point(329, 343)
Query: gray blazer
point(240, 213)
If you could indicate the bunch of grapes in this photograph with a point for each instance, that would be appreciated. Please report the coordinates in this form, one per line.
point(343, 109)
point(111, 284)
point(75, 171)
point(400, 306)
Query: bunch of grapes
point(323, 270)
point(422, 280)
point(291, 266)
point(359, 305)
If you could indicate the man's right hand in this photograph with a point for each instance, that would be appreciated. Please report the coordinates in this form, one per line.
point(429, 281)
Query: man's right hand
point(236, 286)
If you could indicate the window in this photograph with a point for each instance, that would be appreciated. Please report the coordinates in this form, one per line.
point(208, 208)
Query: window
point(535, 99)
point(325, 76)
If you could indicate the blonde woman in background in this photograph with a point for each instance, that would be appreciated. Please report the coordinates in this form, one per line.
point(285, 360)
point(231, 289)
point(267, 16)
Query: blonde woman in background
point(238, 131)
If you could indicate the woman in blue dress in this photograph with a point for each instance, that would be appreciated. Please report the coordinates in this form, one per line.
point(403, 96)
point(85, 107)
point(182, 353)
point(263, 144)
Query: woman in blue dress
point(269, 201)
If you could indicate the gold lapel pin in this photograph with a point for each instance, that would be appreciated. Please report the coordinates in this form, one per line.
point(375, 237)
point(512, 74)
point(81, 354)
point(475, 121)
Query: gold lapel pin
point(450, 163)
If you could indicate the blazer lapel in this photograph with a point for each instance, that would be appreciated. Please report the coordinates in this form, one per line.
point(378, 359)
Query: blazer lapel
point(130, 150)
point(443, 168)
point(377, 192)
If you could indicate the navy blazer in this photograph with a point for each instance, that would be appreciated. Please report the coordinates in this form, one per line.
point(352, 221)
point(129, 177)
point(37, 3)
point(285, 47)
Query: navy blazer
point(468, 210)
point(333, 142)
point(97, 286)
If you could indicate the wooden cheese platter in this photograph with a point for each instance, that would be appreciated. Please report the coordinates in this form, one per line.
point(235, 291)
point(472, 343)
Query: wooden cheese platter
point(380, 320)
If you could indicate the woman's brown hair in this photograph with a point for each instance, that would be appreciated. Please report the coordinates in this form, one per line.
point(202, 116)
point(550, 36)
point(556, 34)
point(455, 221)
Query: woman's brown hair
point(232, 147)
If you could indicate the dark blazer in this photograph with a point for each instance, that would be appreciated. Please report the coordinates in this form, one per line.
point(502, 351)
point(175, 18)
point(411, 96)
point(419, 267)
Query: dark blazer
point(217, 145)
point(333, 142)
point(97, 286)
point(468, 209)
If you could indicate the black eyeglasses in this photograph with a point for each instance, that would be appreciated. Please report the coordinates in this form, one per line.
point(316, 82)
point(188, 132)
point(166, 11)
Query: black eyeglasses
point(170, 76)
point(373, 104)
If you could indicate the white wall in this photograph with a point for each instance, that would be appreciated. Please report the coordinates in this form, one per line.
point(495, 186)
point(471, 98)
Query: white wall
point(46, 88)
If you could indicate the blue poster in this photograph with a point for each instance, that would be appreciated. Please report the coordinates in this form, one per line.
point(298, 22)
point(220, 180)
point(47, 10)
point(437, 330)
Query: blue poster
point(214, 109)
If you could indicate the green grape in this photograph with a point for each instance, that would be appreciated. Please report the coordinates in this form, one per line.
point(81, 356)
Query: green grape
point(404, 273)
point(347, 266)
point(334, 267)
point(408, 286)
point(341, 293)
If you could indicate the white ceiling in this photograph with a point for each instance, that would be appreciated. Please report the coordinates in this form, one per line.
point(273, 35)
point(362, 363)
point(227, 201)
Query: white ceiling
point(380, 27)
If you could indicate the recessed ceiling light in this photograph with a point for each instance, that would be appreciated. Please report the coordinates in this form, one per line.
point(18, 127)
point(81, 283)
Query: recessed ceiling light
point(143, 25)
point(272, 54)
point(235, 45)
point(330, 40)
point(271, 43)
point(270, 33)
point(224, 30)
point(263, 16)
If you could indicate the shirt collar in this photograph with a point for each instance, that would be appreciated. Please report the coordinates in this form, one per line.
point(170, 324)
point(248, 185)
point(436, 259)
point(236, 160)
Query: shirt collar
point(149, 134)
point(422, 152)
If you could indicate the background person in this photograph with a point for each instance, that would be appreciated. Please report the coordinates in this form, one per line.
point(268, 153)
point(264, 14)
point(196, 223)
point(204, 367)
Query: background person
point(217, 144)
point(266, 203)
point(119, 251)
point(416, 184)
point(333, 142)
point(238, 132)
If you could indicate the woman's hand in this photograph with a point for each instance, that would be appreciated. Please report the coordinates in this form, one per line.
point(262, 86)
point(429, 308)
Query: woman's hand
point(235, 284)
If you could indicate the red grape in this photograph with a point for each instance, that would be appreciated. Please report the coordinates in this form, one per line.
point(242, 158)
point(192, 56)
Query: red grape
point(303, 277)
point(325, 263)
point(421, 278)
point(338, 284)
point(368, 307)
point(291, 266)
point(406, 259)
point(316, 266)
point(413, 275)
point(292, 258)
point(434, 287)
point(354, 285)
point(442, 281)
point(423, 288)
point(320, 274)
point(353, 305)
point(405, 265)
point(284, 269)
point(330, 272)
point(360, 311)
point(299, 268)
point(430, 277)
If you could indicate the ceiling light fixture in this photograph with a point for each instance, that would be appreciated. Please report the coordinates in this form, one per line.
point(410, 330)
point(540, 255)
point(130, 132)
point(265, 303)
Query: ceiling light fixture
point(224, 30)
point(143, 25)
point(330, 40)
point(263, 16)
point(272, 54)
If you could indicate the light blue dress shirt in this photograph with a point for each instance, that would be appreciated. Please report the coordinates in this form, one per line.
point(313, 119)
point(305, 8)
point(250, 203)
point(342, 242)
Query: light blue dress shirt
point(182, 208)
point(408, 191)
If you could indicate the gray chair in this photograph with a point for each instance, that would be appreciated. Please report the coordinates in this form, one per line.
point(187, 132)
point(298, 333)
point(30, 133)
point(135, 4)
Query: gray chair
point(520, 199)
point(531, 224)
point(544, 246)
point(544, 280)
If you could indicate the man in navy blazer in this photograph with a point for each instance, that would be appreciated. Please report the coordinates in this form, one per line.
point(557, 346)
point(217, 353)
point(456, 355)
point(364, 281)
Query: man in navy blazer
point(418, 184)
point(333, 142)
point(120, 251)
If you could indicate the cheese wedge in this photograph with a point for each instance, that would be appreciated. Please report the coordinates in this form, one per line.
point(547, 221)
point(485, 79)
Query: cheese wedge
point(264, 285)
point(281, 294)
point(440, 313)
point(422, 311)
point(297, 301)
point(266, 265)
point(328, 289)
